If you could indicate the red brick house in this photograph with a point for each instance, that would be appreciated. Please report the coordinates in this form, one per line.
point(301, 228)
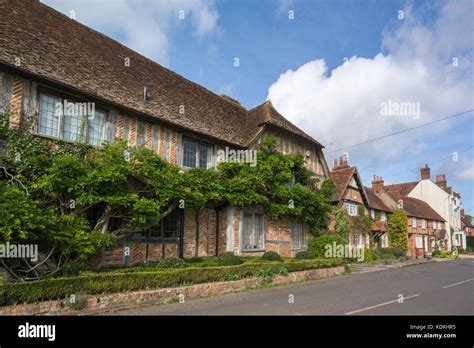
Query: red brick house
point(425, 226)
point(351, 194)
point(466, 224)
point(47, 58)
point(379, 211)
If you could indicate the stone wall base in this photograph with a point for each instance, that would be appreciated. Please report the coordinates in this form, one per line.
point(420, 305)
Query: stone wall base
point(111, 302)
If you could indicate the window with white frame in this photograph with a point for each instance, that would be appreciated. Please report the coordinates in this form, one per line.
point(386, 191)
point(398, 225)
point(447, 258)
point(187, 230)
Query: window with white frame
point(252, 231)
point(423, 223)
point(298, 234)
point(383, 216)
point(351, 208)
point(413, 222)
point(372, 213)
point(54, 122)
point(196, 154)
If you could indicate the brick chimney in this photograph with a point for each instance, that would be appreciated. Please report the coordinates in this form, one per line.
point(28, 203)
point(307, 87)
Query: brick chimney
point(377, 183)
point(425, 172)
point(341, 164)
point(441, 181)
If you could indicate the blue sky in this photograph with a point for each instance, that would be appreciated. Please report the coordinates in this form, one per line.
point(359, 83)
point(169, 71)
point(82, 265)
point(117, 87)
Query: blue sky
point(298, 64)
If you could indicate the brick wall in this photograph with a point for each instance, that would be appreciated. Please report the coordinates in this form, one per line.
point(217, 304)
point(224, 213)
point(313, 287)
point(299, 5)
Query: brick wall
point(108, 302)
point(278, 237)
point(16, 101)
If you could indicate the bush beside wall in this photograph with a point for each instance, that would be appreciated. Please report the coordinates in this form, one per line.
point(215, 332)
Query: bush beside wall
point(94, 284)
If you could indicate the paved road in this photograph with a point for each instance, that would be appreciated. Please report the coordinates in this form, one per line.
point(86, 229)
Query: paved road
point(440, 288)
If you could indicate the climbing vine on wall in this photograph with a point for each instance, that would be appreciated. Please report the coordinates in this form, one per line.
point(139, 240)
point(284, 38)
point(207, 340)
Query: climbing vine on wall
point(72, 199)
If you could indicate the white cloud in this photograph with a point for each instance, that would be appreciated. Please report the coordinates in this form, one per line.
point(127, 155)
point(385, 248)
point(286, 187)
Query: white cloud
point(466, 172)
point(284, 5)
point(139, 24)
point(343, 106)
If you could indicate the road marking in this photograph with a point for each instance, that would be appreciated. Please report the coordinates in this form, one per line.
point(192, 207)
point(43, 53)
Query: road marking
point(380, 305)
point(464, 281)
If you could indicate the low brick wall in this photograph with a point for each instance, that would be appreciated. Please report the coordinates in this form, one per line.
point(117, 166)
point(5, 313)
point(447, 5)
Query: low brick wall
point(110, 302)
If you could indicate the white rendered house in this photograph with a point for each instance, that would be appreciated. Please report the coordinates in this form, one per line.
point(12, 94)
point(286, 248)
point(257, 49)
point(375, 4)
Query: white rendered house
point(445, 202)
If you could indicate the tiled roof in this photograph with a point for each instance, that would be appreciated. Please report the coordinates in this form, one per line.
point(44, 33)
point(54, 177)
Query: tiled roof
point(341, 178)
point(379, 225)
point(266, 114)
point(465, 222)
point(400, 189)
point(417, 208)
point(58, 49)
point(374, 201)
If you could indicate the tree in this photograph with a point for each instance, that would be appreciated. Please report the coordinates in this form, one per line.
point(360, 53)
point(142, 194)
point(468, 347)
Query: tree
point(398, 229)
point(343, 223)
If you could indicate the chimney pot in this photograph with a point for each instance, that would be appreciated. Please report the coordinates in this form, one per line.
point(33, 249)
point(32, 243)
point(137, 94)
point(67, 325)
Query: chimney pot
point(377, 183)
point(425, 172)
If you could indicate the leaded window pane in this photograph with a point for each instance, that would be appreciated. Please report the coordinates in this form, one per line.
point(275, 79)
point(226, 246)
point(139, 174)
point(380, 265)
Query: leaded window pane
point(49, 112)
point(189, 153)
point(96, 129)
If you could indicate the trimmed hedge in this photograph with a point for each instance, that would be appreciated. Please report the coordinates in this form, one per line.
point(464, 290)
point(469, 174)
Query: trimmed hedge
point(271, 256)
point(228, 259)
point(303, 255)
point(94, 284)
point(390, 253)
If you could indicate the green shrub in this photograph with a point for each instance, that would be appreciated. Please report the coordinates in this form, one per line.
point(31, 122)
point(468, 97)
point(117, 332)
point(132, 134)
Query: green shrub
point(228, 259)
point(171, 262)
point(111, 282)
point(303, 255)
point(390, 253)
point(444, 254)
point(470, 242)
point(283, 271)
point(266, 274)
point(195, 259)
point(368, 255)
point(73, 269)
point(317, 246)
point(232, 276)
point(271, 256)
